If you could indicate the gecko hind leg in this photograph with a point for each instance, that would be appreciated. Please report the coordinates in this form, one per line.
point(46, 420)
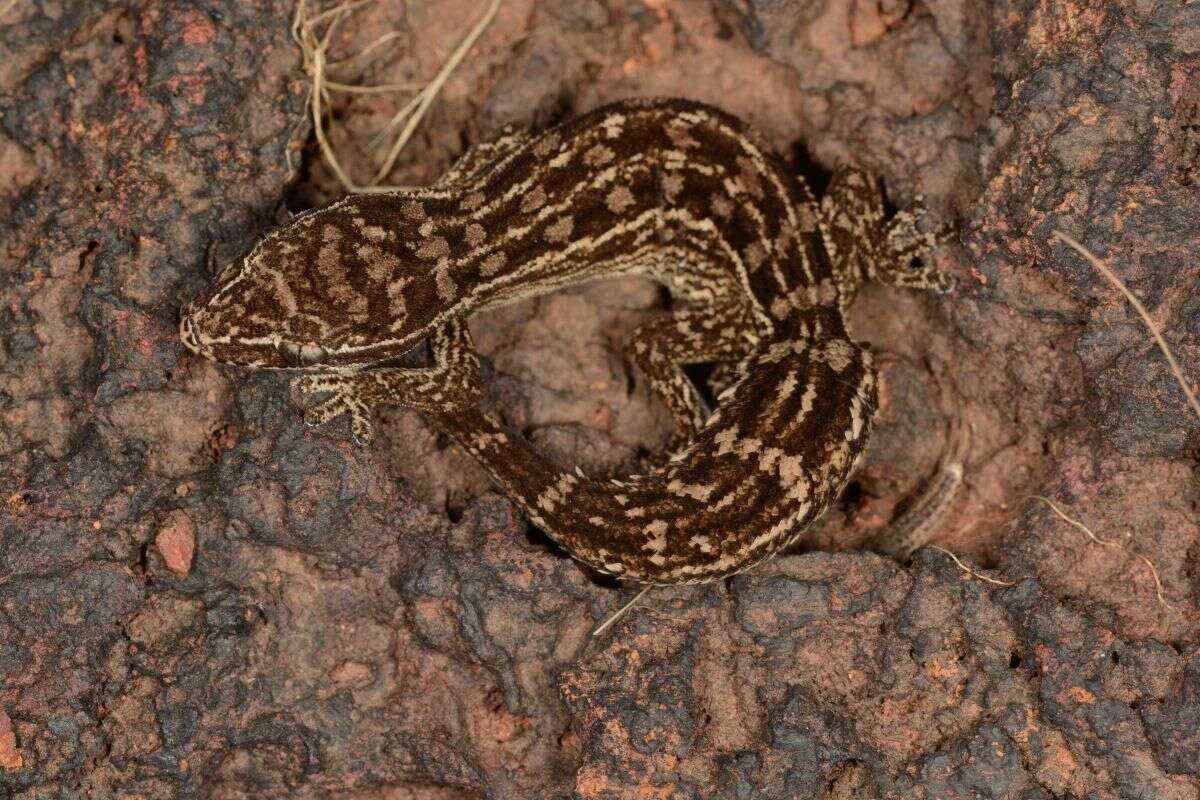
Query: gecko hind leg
point(907, 249)
point(894, 250)
point(722, 333)
point(451, 383)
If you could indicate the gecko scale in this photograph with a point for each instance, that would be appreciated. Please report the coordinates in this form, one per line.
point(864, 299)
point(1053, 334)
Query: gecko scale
point(673, 190)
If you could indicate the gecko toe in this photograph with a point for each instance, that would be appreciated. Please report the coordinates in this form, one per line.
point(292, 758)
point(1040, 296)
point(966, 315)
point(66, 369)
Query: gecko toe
point(324, 412)
point(361, 427)
point(312, 384)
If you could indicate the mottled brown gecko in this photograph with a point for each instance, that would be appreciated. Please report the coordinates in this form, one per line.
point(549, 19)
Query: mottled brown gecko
point(672, 190)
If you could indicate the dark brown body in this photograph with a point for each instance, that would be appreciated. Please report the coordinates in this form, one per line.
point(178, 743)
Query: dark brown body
point(672, 190)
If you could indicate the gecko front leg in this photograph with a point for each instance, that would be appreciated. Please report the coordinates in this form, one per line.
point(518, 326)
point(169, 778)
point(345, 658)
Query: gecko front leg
point(451, 383)
point(454, 377)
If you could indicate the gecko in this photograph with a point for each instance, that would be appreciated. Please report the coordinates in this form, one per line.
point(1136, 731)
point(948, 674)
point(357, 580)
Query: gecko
point(760, 274)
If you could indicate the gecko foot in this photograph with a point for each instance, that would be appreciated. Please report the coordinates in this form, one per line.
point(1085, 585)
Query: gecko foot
point(346, 400)
point(447, 388)
point(905, 243)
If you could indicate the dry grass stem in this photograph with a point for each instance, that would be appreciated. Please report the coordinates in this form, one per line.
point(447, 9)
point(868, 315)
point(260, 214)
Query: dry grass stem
point(1117, 283)
point(608, 623)
point(314, 47)
point(430, 92)
point(1158, 588)
point(970, 571)
point(379, 41)
point(7, 7)
point(379, 88)
point(404, 111)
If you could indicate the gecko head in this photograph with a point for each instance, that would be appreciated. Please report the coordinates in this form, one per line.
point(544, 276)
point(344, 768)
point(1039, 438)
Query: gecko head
point(206, 331)
point(321, 292)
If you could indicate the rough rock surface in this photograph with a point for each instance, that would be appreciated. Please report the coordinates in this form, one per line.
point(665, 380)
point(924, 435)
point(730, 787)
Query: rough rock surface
point(202, 598)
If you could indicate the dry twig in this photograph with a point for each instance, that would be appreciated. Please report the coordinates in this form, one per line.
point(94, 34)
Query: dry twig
point(1112, 278)
point(430, 92)
point(970, 571)
point(608, 623)
point(1158, 588)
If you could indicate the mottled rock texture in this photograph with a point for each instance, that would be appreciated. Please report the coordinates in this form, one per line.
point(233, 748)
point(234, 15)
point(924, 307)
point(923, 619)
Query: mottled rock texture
point(202, 598)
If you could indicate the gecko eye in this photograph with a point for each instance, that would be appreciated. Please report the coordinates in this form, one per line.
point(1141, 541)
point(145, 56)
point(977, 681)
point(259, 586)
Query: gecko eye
point(301, 355)
point(290, 351)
